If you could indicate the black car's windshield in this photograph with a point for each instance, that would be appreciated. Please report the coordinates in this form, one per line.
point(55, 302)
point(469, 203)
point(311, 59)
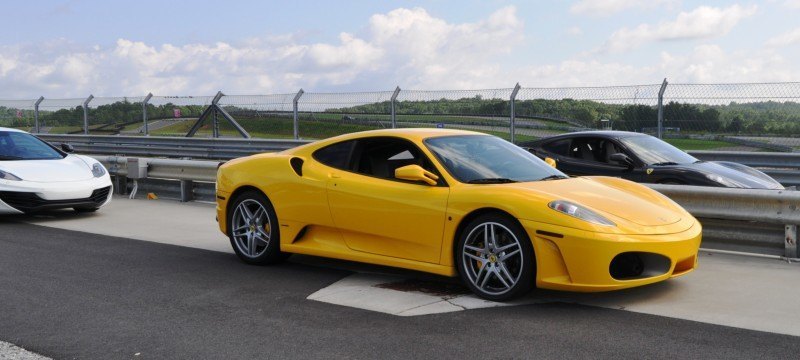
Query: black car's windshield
point(487, 159)
point(653, 151)
point(23, 146)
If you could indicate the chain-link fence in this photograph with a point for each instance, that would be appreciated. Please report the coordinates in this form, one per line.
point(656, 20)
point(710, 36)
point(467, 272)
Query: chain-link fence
point(691, 116)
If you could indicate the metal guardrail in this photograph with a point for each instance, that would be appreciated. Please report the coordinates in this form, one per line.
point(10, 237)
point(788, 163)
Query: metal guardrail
point(174, 147)
point(756, 221)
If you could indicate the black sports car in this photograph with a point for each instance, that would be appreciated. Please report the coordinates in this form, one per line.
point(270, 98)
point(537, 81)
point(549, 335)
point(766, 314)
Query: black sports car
point(642, 158)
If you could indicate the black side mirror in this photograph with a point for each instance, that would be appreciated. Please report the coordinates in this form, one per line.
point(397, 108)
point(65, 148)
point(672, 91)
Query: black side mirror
point(622, 159)
point(67, 148)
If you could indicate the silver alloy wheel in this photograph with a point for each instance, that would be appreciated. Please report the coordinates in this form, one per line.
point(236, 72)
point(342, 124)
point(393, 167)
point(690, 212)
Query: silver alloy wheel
point(250, 228)
point(492, 257)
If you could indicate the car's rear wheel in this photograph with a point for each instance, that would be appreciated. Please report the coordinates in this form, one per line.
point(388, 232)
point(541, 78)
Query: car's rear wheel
point(495, 258)
point(253, 230)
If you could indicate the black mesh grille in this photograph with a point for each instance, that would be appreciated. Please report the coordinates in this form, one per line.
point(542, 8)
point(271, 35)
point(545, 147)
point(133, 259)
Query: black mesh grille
point(27, 202)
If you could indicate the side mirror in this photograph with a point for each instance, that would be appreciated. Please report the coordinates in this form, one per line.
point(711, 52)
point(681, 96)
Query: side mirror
point(621, 158)
point(416, 173)
point(67, 148)
point(550, 161)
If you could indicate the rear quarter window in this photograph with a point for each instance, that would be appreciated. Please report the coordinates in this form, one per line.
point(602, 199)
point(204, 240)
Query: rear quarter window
point(336, 155)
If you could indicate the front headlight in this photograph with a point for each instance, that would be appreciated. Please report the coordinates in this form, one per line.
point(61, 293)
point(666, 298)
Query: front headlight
point(8, 176)
point(579, 212)
point(98, 170)
point(723, 181)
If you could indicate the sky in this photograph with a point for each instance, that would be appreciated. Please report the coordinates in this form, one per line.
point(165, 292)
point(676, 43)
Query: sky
point(62, 49)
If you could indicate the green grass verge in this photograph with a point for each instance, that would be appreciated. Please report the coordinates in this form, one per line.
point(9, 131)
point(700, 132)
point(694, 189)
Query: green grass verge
point(698, 144)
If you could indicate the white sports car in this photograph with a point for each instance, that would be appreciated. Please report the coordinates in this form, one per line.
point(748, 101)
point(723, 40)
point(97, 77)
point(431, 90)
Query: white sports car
point(35, 176)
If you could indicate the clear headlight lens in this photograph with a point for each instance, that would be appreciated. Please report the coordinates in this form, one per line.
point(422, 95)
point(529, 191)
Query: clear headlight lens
point(579, 212)
point(8, 176)
point(98, 170)
point(723, 181)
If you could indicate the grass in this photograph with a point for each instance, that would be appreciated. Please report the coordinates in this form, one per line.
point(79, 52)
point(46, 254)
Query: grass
point(698, 144)
point(283, 128)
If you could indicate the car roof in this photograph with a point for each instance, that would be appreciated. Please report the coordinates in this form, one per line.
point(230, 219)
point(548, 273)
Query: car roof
point(11, 130)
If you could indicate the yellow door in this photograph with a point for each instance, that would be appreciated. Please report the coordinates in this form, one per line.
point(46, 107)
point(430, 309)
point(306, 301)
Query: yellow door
point(388, 217)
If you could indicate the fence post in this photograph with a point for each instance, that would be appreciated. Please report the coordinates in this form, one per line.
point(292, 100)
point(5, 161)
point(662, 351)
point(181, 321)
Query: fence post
point(36, 114)
point(296, 119)
point(86, 114)
point(394, 103)
point(790, 244)
point(661, 108)
point(215, 124)
point(144, 112)
point(512, 125)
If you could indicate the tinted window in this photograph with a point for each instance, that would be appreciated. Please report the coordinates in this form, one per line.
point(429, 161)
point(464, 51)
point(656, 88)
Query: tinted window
point(558, 147)
point(24, 146)
point(336, 155)
point(653, 151)
point(482, 158)
point(381, 156)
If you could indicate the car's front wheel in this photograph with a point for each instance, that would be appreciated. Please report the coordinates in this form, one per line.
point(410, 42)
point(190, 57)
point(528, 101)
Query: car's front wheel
point(253, 230)
point(495, 258)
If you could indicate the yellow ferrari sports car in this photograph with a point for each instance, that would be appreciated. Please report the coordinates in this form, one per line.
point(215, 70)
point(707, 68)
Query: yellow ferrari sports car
point(454, 203)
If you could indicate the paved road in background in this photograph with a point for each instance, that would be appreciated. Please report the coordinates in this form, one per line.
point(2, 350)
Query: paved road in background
point(67, 294)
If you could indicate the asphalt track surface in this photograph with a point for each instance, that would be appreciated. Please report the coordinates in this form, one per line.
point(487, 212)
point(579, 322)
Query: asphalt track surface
point(67, 294)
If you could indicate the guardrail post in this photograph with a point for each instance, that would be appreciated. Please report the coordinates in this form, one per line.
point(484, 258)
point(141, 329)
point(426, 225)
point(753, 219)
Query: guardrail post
point(394, 103)
point(36, 114)
point(296, 118)
point(86, 114)
point(512, 125)
point(790, 244)
point(661, 108)
point(187, 190)
point(144, 112)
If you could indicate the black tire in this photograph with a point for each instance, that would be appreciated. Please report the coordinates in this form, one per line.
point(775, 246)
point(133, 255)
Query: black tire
point(249, 244)
point(85, 209)
point(494, 284)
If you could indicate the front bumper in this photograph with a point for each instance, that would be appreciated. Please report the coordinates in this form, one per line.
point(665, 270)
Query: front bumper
point(582, 261)
point(27, 196)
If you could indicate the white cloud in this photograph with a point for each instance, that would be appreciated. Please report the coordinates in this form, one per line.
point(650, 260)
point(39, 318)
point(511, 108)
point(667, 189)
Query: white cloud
point(792, 4)
point(702, 64)
point(575, 31)
point(409, 47)
point(702, 22)
point(609, 7)
point(785, 39)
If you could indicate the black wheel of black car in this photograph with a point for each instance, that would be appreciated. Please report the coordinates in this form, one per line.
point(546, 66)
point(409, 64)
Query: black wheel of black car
point(495, 258)
point(85, 209)
point(253, 229)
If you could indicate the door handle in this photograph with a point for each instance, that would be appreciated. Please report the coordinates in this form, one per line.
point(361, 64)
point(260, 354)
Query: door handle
point(334, 176)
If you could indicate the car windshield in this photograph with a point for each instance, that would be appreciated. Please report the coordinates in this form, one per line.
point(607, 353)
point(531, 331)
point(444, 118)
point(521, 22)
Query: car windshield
point(653, 151)
point(484, 159)
point(23, 146)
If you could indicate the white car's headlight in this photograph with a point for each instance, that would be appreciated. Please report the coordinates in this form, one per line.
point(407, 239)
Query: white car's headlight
point(98, 170)
point(723, 181)
point(579, 212)
point(8, 176)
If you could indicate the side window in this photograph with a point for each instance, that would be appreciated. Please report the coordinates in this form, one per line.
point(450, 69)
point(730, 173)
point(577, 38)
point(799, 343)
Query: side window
point(558, 147)
point(336, 155)
point(380, 157)
point(587, 149)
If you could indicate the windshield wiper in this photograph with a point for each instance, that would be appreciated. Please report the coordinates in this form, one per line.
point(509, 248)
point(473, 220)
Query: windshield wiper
point(665, 163)
point(553, 177)
point(9, 157)
point(491, 181)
